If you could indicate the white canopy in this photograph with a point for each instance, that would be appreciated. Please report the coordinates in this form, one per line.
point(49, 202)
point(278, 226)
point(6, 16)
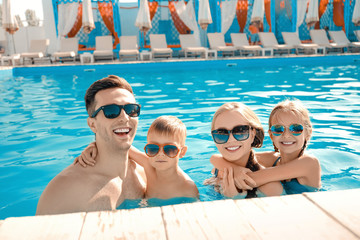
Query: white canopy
point(143, 21)
point(313, 13)
point(187, 15)
point(301, 11)
point(257, 14)
point(9, 22)
point(204, 14)
point(356, 13)
point(228, 11)
point(87, 17)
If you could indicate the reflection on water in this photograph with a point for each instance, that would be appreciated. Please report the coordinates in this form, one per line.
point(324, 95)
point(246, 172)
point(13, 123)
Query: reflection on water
point(43, 119)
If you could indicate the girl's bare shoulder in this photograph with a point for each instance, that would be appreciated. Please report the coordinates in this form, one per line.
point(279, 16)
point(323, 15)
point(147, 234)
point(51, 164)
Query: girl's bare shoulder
point(267, 159)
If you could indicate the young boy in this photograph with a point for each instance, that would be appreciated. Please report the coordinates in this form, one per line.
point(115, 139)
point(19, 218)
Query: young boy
point(166, 145)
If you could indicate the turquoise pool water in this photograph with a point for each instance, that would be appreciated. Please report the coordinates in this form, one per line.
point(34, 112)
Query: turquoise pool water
point(43, 117)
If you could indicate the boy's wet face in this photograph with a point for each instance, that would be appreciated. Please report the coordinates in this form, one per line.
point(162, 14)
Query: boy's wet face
point(161, 161)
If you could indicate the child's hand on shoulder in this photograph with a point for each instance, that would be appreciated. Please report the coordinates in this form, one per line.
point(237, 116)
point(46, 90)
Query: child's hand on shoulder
point(88, 156)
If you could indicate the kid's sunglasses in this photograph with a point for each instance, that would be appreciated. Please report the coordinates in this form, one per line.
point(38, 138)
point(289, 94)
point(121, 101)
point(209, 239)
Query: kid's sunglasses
point(151, 150)
point(240, 133)
point(114, 110)
point(295, 129)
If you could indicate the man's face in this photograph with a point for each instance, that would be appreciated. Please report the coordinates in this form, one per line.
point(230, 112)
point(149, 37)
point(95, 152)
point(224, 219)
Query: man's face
point(117, 133)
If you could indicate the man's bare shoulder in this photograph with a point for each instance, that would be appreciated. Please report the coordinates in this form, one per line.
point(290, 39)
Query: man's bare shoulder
point(66, 192)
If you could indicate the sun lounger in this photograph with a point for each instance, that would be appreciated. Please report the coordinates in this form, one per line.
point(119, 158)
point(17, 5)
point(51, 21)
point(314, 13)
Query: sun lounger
point(292, 39)
point(104, 48)
point(37, 50)
point(68, 49)
point(129, 47)
point(159, 46)
point(241, 43)
point(357, 34)
point(217, 42)
point(12, 59)
point(318, 36)
point(268, 40)
point(340, 38)
point(190, 46)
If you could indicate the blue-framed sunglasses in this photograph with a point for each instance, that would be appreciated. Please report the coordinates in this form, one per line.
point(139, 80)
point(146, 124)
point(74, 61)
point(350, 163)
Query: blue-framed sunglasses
point(295, 129)
point(114, 110)
point(240, 133)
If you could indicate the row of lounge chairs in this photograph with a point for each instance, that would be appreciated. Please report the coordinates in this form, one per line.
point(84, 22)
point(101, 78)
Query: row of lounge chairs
point(191, 47)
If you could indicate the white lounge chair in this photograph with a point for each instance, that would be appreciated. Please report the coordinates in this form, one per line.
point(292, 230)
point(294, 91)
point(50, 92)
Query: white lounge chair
point(340, 38)
point(104, 48)
point(318, 36)
point(159, 46)
point(37, 50)
point(268, 40)
point(190, 46)
point(357, 34)
point(68, 49)
point(12, 59)
point(292, 39)
point(129, 47)
point(217, 42)
point(241, 43)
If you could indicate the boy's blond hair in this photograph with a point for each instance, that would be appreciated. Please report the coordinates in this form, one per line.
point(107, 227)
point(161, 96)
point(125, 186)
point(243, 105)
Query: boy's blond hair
point(248, 114)
point(169, 126)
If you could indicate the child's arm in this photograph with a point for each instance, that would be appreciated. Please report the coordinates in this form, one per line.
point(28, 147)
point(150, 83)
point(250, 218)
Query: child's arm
point(87, 157)
point(306, 167)
point(242, 180)
point(228, 183)
point(139, 157)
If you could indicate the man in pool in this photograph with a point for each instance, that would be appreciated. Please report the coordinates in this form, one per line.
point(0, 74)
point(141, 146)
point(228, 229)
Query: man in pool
point(113, 113)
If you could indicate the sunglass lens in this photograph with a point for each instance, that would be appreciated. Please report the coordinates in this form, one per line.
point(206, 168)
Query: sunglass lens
point(296, 129)
point(111, 111)
point(241, 133)
point(171, 150)
point(220, 136)
point(277, 130)
point(133, 110)
point(151, 150)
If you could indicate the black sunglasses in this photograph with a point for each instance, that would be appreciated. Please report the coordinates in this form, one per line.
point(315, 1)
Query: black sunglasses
point(240, 133)
point(114, 110)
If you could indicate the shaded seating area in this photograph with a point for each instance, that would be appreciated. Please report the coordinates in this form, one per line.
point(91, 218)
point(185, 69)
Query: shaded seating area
point(241, 43)
point(340, 38)
point(268, 40)
point(68, 50)
point(37, 51)
point(318, 36)
point(292, 39)
point(191, 47)
point(217, 42)
point(159, 46)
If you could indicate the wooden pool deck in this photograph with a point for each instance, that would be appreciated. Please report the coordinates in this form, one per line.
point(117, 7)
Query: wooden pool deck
point(323, 215)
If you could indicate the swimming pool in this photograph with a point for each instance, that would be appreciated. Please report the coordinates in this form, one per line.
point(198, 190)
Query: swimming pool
point(43, 117)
